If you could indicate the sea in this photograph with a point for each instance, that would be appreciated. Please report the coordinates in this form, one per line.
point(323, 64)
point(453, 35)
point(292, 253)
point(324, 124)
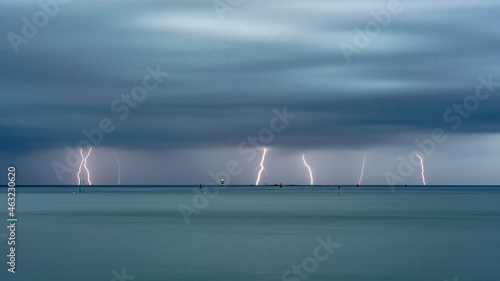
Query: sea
point(239, 233)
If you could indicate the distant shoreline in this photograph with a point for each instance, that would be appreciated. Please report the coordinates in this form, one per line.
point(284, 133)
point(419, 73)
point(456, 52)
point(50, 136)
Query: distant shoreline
point(253, 186)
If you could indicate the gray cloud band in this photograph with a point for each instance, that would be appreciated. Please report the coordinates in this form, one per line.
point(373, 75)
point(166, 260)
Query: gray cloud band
point(372, 29)
point(121, 106)
point(454, 116)
point(30, 28)
point(223, 6)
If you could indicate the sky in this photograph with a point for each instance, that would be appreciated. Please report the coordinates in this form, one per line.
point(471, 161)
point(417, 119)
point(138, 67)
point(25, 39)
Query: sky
point(187, 92)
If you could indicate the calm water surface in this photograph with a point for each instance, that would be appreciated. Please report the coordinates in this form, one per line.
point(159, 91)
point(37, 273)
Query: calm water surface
point(249, 233)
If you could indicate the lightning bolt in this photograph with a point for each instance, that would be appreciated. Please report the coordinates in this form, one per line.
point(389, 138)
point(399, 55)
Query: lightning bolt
point(80, 168)
point(422, 165)
point(362, 170)
point(119, 168)
point(85, 166)
point(261, 166)
point(309, 168)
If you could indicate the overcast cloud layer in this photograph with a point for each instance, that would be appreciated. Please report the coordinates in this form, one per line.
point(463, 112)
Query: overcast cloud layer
point(229, 69)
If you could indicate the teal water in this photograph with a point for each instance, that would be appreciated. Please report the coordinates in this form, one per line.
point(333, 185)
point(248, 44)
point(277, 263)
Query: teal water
point(255, 233)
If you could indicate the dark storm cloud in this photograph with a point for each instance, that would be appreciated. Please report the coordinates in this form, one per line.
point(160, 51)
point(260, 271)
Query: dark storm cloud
point(227, 75)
